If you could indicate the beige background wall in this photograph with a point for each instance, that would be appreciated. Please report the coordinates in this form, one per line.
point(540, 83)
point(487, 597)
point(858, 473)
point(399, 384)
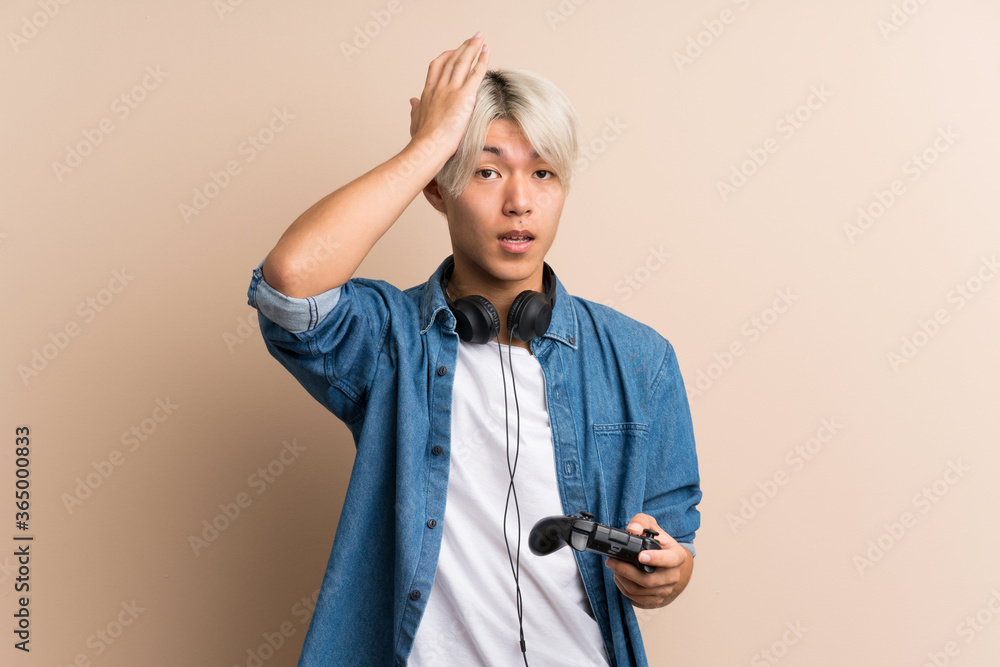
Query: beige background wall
point(816, 444)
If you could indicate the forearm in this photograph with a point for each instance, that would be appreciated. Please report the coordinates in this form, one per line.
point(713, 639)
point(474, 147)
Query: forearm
point(325, 245)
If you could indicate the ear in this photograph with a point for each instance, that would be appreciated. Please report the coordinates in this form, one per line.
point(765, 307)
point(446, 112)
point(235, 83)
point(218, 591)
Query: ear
point(434, 195)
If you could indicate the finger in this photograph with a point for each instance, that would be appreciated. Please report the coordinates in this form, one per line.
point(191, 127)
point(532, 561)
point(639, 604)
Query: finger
point(478, 70)
point(669, 557)
point(481, 67)
point(458, 66)
point(641, 522)
point(644, 601)
point(435, 70)
point(629, 572)
point(662, 576)
point(457, 69)
point(440, 68)
point(625, 586)
point(642, 596)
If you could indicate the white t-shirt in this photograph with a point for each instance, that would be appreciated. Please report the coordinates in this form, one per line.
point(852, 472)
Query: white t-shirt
point(471, 615)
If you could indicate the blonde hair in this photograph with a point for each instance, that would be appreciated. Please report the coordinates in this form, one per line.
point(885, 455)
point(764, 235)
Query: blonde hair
point(533, 103)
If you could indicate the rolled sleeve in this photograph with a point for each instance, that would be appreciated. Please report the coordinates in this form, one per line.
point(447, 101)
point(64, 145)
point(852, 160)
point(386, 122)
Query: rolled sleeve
point(293, 315)
point(330, 342)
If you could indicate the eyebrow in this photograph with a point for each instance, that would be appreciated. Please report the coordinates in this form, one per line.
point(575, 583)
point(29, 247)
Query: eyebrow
point(502, 154)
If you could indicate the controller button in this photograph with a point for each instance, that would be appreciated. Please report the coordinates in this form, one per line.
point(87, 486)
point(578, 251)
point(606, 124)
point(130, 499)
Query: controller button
point(431, 523)
point(436, 450)
point(414, 594)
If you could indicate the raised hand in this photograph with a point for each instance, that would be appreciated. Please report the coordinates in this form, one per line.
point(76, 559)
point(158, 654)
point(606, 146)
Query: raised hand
point(444, 109)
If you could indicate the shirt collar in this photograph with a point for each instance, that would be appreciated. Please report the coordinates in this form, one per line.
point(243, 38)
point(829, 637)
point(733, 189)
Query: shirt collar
point(433, 307)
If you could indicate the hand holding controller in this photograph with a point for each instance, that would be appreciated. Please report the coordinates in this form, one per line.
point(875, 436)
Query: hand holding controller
point(583, 533)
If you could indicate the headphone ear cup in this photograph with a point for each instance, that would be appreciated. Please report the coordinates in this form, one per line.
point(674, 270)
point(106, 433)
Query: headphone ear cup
point(476, 320)
point(529, 316)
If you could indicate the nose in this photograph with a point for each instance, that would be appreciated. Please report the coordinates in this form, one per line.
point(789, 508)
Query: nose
point(518, 195)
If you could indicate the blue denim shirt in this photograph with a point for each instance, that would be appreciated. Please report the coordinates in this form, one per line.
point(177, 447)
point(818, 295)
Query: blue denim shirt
point(383, 359)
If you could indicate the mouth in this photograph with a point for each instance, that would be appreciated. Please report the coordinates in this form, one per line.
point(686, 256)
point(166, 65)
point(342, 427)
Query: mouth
point(516, 241)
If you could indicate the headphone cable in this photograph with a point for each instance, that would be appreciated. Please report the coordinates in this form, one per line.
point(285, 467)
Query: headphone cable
point(511, 490)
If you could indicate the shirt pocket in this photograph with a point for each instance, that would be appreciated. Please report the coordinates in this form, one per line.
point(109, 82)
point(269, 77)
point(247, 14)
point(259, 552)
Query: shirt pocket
point(622, 451)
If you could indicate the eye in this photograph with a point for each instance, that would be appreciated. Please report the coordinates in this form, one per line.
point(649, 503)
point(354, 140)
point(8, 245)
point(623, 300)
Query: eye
point(482, 171)
point(547, 173)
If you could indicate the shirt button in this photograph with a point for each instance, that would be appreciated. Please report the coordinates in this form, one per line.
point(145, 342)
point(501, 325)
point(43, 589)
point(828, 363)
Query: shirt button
point(431, 523)
point(572, 341)
point(414, 594)
point(442, 370)
point(436, 450)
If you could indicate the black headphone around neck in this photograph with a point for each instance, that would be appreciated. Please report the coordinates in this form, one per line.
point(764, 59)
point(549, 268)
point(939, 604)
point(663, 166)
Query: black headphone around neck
point(477, 320)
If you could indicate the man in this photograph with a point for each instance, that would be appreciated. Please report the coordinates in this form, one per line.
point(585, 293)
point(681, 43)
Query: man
point(427, 567)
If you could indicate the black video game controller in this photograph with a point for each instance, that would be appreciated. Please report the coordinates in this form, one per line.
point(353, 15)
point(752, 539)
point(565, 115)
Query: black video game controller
point(583, 533)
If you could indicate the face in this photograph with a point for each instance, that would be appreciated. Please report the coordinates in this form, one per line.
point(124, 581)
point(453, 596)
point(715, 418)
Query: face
point(504, 222)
